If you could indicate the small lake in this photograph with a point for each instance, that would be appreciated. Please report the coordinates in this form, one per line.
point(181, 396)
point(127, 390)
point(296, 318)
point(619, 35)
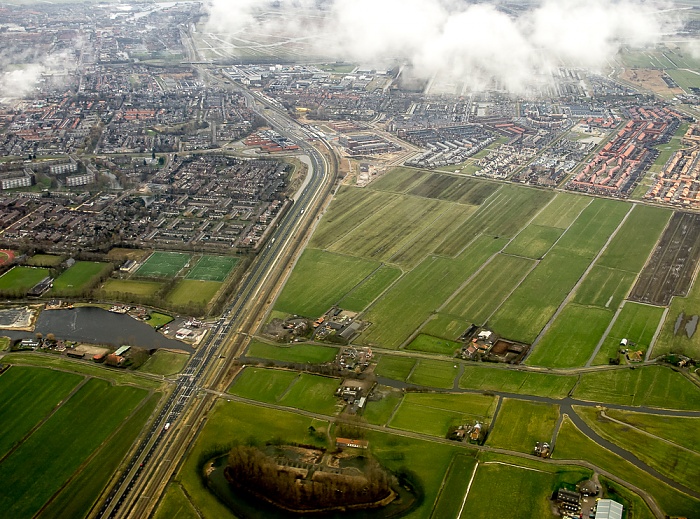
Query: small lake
point(98, 326)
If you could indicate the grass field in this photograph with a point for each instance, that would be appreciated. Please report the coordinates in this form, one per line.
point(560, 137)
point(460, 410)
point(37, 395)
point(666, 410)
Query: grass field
point(81, 276)
point(449, 503)
point(489, 288)
point(175, 505)
point(265, 385)
point(434, 373)
point(320, 279)
point(301, 353)
point(113, 288)
point(164, 362)
point(44, 260)
point(212, 268)
point(534, 302)
point(22, 278)
point(677, 341)
point(445, 326)
point(680, 430)
point(192, 291)
point(679, 465)
point(511, 488)
point(434, 414)
point(652, 386)
point(379, 412)
point(604, 287)
point(157, 320)
point(27, 395)
point(534, 241)
point(519, 425)
point(430, 344)
point(369, 289)
point(397, 368)
point(572, 338)
point(562, 211)
point(637, 323)
point(313, 393)
point(572, 444)
point(122, 254)
point(82, 491)
point(163, 265)
point(511, 381)
point(62, 443)
point(399, 180)
point(417, 294)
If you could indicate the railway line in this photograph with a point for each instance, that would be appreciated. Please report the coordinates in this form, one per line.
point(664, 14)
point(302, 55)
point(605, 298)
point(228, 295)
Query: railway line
point(162, 446)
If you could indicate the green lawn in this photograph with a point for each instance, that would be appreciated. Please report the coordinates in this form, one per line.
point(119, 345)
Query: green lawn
point(115, 288)
point(27, 396)
point(511, 381)
point(213, 268)
point(434, 373)
point(534, 241)
point(637, 323)
point(62, 443)
point(397, 368)
point(313, 393)
point(21, 279)
point(652, 386)
point(265, 385)
point(434, 414)
point(572, 338)
point(417, 294)
point(369, 289)
point(164, 362)
point(572, 444)
point(44, 260)
point(520, 424)
point(489, 288)
point(157, 320)
point(192, 291)
point(301, 353)
point(163, 265)
point(320, 279)
point(82, 276)
point(430, 344)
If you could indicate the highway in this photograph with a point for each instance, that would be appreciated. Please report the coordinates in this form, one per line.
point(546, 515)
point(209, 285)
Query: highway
point(140, 470)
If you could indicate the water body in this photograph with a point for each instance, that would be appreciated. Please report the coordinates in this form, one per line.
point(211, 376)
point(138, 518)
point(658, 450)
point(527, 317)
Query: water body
point(98, 326)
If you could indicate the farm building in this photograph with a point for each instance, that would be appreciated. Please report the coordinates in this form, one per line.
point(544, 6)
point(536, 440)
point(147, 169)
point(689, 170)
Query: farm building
point(114, 360)
point(355, 444)
point(608, 509)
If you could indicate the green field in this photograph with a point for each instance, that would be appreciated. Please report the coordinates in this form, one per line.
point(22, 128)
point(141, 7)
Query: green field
point(62, 443)
point(212, 268)
point(604, 287)
point(572, 444)
point(265, 385)
point(534, 241)
point(572, 338)
point(489, 288)
point(369, 289)
point(445, 326)
point(399, 180)
point(79, 278)
point(682, 431)
point(312, 393)
point(637, 323)
point(678, 464)
point(511, 381)
point(671, 340)
point(434, 373)
point(562, 211)
point(379, 412)
point(175, 505)
point(449, 502)
point(397, 368)
point(434, 414)
point(499, 489)
point(21, 279)
point(115, 288)
point(299, 353)
point(430, 344)
point(652, 386)
point(163, 265)
point(44, 260)
point(192, 291)
point(412, 299)
point(320, 279)
point(520, 424)
point(27, 396)
point(164, 362)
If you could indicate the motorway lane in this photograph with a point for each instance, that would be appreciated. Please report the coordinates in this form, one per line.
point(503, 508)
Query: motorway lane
point(187, 382)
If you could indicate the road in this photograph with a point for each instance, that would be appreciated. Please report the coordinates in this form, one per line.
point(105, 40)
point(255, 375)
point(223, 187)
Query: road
point(164, 439)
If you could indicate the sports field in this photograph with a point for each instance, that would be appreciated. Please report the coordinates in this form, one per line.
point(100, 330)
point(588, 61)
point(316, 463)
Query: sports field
point(80, 277)
point(43, 260)
point(212, 268)
point(93, 413)
point(21, 279)
point(163, 265)
point(114, 288)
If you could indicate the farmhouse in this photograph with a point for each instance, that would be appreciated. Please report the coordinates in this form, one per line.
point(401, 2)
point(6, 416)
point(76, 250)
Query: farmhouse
point(355, 444)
